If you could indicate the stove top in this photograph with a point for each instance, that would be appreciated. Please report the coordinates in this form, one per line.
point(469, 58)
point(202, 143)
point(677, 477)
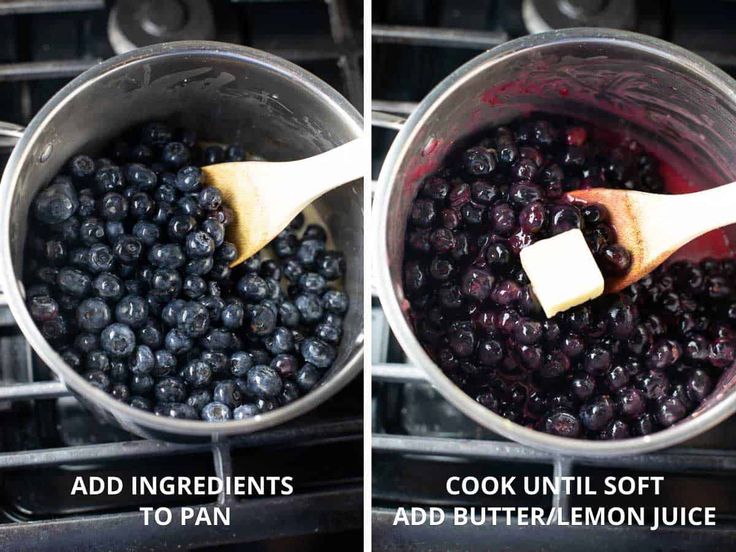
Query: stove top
point(419, 439)
point(47, 438)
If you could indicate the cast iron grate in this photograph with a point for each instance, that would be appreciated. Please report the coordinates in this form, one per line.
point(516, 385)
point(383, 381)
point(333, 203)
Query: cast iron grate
point(47, 437)
point(419, 439)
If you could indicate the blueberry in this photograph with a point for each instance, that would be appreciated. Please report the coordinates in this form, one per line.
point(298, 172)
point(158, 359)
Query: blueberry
point(199, 267)
point(120, 392)
point(176, 410)
point(140, 177)
point(170, 389)
point(210, 199)
point(91, 231)
point(263, 382)
point(214, 306)
point(132, 310)
point(285, 365)
point(280, 341)
point(100, 258)
point(118, 340)
point(563, 424)
point(188, 179)
point(252, 287)
point(93, 315)
point(670, 410)
point(175, 154)
point(150, 334)
point(97, 361)
point(597, 413)
point(168, 255)
point(308, 251)
point(86, 342)
point(141, 403)
point(114, 230)
point(143, 360)
point(261, 320)
point(289, 314)
point(188, 205)
point(193, 319)
point(177, 342)
point(479, 161)
point(240, 363)
point(244, 411)
point(43, 308)
point(180, 225)
point(317, 352)
point(213, 155)
point(81, 167)
point(227, 392)
point(163, 213)
point(218, 340)
point(147, 232)
point(166, 192)
point(74, 282)
point(56, 203)
point(166, 283)
point(199, 398)
point(128, 249)
point(98, 379)
point(216, 412)
point(108, 179)
point(142, 206)
point(197, 373)
point(113, 207)
point(232, 316)
point(165, 363)
point(156, 134)
point(216, 231)
point(307, 377)
point(235, 152)
point(310, 307)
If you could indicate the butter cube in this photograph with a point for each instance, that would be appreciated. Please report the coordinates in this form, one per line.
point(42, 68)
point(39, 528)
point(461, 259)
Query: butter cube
point(562, 271)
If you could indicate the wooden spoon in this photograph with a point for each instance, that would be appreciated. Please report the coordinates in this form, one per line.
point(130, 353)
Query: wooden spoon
point(266, 196)
point(653, 226)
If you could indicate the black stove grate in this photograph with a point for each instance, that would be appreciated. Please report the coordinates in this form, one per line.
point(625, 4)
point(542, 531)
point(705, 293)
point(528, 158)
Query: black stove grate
point(47, 437)
point(419, 439)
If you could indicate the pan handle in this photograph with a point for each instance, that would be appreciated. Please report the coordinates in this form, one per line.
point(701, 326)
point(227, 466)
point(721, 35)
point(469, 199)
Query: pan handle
point(9, 134)
point(387, 120)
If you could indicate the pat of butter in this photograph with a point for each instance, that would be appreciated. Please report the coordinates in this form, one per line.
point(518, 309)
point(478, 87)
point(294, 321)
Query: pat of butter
point(562, 271)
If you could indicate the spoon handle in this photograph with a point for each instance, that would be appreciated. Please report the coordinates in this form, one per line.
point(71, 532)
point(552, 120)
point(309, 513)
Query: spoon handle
point(308, 179)
point(696, 213)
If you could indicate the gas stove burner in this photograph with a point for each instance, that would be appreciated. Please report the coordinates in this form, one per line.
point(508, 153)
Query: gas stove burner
point(547, 15)
point(135, 23)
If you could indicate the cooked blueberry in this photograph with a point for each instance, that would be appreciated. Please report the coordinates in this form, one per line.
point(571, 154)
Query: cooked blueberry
point(563, 424)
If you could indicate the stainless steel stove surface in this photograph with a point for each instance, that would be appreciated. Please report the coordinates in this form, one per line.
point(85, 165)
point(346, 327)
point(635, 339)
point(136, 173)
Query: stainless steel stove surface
point(46, 437)
point(419, 439)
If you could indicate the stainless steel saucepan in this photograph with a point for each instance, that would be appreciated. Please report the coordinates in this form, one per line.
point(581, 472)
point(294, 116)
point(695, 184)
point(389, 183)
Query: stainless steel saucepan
point(674, 102)
point(227, 94)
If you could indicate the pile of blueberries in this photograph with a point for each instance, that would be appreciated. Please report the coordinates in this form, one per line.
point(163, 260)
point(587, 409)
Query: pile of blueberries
point(128, 277)
point(624, 364)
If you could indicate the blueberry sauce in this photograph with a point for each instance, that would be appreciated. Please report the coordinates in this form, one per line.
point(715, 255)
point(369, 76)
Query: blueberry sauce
point(127, 276)
point(622, 365)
